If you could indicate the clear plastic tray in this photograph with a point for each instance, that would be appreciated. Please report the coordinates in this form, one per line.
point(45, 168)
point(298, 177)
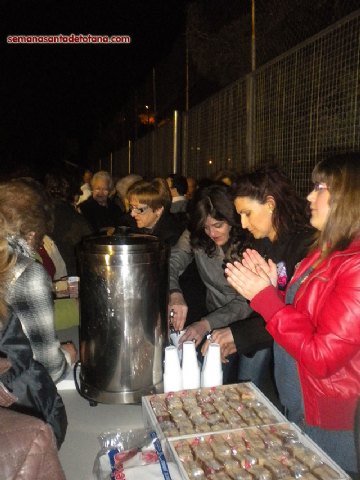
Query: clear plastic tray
point(267, 452)
point(251, 407)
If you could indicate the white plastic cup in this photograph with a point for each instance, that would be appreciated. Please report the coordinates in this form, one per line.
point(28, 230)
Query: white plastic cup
point(172, 370)
point(175, 337)
point(211, 374)
point(190, 367)
point(73, 285)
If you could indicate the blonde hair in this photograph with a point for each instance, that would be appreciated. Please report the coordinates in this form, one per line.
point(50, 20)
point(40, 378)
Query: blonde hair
point(26, 208)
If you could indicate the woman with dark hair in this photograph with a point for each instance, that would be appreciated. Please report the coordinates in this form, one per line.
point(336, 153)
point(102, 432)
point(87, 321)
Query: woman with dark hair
point(149, 206)
point(316, 327)
point(214, 234)
point(269, 207)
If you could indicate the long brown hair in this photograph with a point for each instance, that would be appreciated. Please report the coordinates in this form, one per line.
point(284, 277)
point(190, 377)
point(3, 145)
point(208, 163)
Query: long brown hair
point(341, 174)
point(291, 213)
point(6, 262)
point(26, 207)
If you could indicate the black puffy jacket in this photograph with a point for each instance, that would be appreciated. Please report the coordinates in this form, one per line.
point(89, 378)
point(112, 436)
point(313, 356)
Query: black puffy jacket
point(27, 381)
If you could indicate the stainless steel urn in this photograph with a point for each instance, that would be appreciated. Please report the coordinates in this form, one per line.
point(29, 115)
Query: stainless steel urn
point(123, 319)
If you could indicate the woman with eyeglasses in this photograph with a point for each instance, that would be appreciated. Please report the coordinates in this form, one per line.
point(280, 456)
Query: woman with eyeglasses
point(317, 325)
point(149, 206)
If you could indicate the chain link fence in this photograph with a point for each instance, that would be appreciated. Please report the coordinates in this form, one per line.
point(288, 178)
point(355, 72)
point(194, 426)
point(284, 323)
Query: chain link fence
point(291, 111)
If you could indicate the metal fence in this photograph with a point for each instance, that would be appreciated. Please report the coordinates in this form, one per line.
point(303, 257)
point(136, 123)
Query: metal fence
point(291, 111)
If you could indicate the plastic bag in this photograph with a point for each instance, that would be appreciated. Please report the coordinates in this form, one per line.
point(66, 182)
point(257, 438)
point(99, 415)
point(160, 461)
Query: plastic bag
point(121, 450)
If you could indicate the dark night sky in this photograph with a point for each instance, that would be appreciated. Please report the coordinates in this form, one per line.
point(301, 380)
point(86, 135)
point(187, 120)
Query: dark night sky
point(51, 92)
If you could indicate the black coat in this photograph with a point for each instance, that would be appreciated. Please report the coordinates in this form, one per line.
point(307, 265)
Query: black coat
point(100, 217)
point(168, 228)
point(29, 381)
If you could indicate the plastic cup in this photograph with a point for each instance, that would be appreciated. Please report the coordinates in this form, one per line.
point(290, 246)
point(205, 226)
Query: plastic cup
point(73, 286)
point(211, 374)
point(190, 367)
point(172, 370)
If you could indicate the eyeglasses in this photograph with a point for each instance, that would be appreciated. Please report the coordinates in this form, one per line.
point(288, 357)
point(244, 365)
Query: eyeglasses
point(318, 186)
point(138, 210)
point(101, 190)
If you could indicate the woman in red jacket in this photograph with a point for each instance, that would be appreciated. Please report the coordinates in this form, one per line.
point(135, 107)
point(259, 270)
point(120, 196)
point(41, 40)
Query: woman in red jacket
point(317, 327)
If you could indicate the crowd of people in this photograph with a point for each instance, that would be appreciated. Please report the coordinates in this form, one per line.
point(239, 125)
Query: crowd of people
point(272, 277)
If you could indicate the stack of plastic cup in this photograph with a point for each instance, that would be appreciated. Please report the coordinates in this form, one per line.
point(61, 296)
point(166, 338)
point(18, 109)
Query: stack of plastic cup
point(172, 370)
point(211, 374)
point(190, 367)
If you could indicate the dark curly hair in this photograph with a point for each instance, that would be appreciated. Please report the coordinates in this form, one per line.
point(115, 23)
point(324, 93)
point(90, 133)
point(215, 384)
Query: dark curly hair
point(291, 212)
point(214, 201)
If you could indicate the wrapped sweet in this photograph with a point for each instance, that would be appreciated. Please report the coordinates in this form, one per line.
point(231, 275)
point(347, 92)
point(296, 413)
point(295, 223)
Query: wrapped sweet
point(297, 468)
point(231, 394)
point(307, 456)
point(278, 470)
point(221, 406)
point(248, 460)
point(211, 466)
point(174, 402)
point(240, 474)
point(221, 450)
point(207, 408)
point(177, 413)
point(213, 418)
point(184, 452)
point(246, 393)
point(260, 473)
point(198, 419)
point(203, 451)
point(218, 427)
point(194, 471)
point(325, 472)
point(169, 428)
point(219, 476)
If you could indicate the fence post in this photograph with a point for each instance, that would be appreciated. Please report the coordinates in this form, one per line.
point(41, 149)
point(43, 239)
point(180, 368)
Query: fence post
point(129, 156)
point(250, 120)
point(176, 143)
point(184, 144)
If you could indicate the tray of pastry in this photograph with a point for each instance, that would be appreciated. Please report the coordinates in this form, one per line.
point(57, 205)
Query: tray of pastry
point(203, 410)
point(269, 452)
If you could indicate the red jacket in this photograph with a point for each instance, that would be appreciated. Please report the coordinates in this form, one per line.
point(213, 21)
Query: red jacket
point(321, 330)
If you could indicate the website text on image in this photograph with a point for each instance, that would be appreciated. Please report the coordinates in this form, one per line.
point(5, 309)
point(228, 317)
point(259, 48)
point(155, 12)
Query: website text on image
point(69, 39)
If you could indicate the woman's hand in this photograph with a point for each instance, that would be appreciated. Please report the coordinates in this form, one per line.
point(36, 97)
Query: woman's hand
point(246, 282)
point(195, 332)
point(178, 305)
point(256, 263)
point(224, 337)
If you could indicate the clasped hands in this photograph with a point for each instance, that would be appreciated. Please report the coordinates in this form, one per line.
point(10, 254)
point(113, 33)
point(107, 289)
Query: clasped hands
point(248, 278)
point(252, 274)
